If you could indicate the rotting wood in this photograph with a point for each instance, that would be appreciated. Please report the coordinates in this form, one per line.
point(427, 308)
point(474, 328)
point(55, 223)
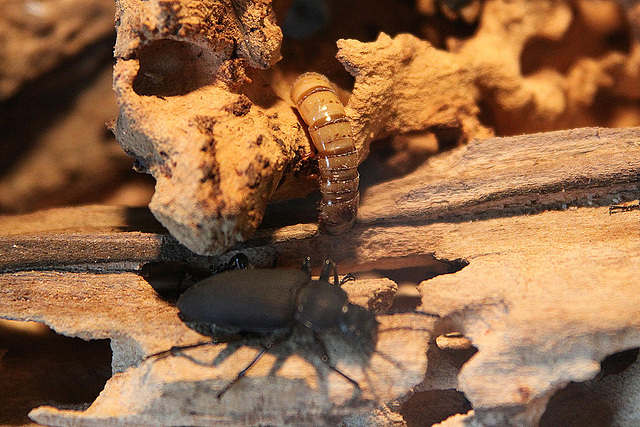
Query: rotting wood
point(86, 238)
point(546, 281)
point(496, 176)
point(124, 308)
point(36, 39)
point(527, 172)
point(544, 298)
point(221, 138)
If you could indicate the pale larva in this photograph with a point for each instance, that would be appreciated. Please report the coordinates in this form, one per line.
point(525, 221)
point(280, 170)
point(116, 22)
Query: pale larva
point(330, 131)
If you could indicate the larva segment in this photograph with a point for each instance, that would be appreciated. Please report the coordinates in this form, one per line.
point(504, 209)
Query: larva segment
point(330, 131)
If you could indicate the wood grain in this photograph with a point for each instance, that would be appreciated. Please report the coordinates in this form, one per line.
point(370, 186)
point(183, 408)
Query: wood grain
point(493, 177)
point(520, 173)
point(512, 240)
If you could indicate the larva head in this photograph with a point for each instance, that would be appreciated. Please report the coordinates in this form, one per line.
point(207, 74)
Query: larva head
point(316, 100)
point(307, 83)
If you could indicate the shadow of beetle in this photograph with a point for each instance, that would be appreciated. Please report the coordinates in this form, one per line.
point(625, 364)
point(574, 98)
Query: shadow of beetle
point(269, 304)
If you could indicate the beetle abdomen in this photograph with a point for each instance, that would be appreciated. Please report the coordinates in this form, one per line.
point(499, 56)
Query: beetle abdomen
point(259, 301)
point(330, 132)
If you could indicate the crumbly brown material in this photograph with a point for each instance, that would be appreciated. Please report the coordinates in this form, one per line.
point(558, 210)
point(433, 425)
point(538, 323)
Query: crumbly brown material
point(204, 108)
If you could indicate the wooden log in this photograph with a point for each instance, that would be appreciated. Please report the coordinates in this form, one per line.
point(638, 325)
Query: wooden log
point(519, 174)
point(543, 288)
point(498, 176)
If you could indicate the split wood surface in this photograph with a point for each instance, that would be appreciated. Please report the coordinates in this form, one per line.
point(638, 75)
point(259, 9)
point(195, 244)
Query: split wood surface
point(493, 177)
point(529, 214)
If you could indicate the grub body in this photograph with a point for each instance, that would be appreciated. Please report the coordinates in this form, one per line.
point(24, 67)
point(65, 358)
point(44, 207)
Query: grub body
point(330, 131)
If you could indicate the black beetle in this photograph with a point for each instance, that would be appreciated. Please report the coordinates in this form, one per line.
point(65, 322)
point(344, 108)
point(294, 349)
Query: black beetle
point(270, 303)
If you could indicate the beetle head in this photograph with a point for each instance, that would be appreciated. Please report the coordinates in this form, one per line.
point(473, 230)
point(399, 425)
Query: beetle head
point(361, 325)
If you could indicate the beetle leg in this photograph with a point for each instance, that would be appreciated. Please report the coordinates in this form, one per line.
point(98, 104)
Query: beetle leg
point(243, 372)
point(272, 342)
point(621, 208)
point(175, 348)
point(347, 277)
point(322, 348)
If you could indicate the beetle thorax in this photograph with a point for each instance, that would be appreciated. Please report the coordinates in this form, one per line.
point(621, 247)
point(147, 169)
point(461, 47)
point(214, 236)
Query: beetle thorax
point(321, 306)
